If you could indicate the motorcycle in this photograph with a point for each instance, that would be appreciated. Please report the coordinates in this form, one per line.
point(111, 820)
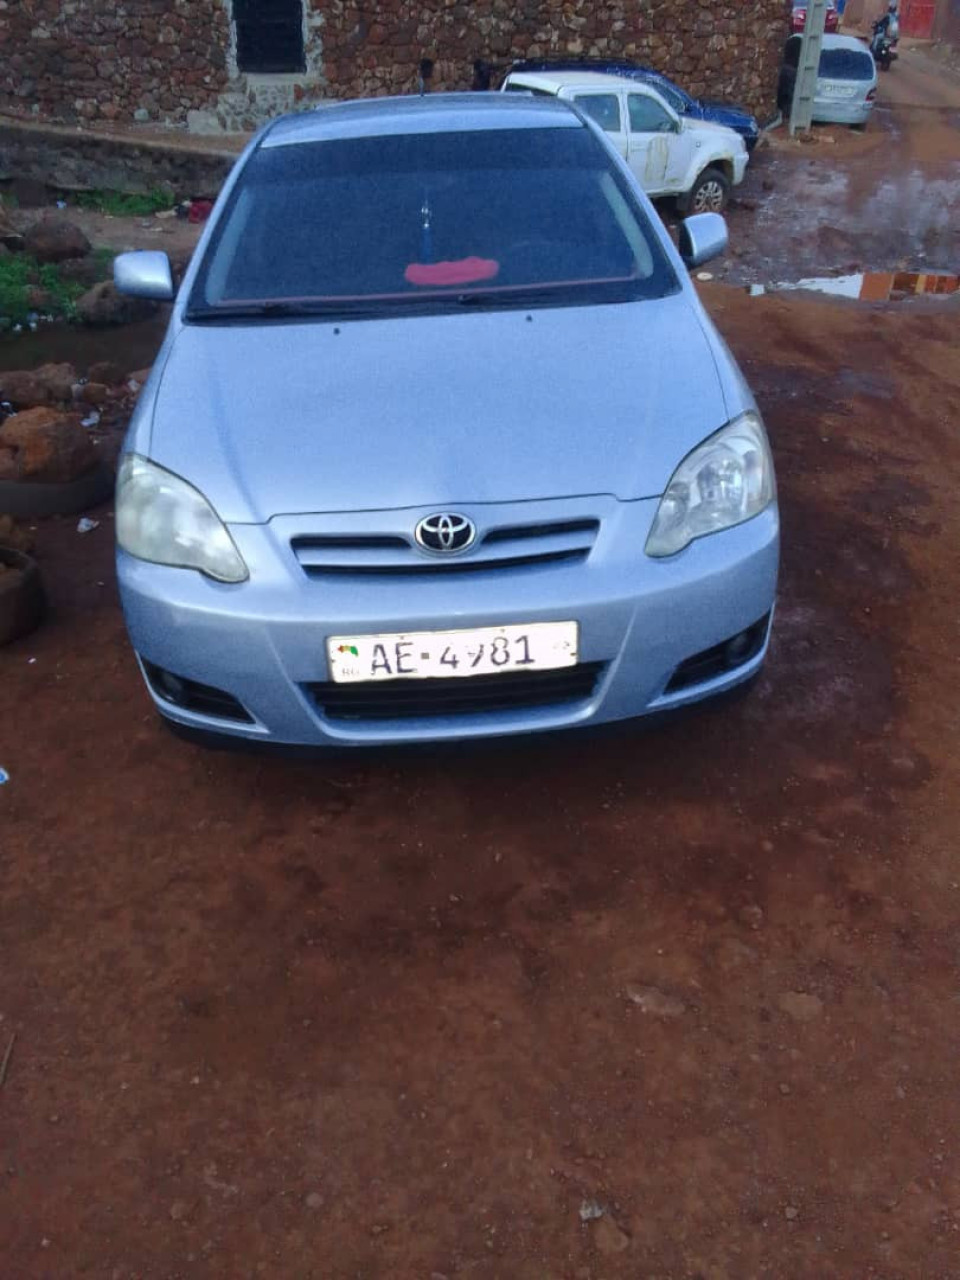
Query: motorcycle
point(883, 46)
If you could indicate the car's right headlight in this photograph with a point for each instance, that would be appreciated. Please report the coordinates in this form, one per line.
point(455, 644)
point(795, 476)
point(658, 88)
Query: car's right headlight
point(163, 519)
point(724, 481)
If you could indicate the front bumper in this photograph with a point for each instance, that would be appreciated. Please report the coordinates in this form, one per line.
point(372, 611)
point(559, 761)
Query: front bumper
point(739, 167)
point(263, 641)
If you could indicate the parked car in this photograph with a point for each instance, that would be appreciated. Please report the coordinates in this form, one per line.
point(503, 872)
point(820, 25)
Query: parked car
point(695, 161)
point(846, 80)
point(441, 442)
point(733, 117)
point(798, 18)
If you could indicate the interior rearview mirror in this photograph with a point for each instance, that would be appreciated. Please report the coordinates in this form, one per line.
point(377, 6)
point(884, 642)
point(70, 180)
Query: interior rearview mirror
point(703, 237)
point(144, 274)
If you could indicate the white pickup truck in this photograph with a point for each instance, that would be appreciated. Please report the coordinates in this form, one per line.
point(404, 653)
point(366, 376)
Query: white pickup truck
point(694, 160)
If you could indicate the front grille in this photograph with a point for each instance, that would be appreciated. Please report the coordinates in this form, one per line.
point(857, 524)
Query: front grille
point(504, 547)
point(414, 699)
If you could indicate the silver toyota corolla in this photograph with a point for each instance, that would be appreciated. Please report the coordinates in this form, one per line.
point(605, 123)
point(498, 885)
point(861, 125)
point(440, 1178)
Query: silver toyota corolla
point(441, 442)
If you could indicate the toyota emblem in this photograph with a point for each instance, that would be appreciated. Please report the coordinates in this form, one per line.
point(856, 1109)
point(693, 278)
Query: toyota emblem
point(446, 531)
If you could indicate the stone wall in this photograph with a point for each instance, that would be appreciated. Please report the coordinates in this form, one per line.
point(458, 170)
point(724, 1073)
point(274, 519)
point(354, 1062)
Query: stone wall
point(170, 60)
point(720, 48)
point(68, 159)
point(108, 59)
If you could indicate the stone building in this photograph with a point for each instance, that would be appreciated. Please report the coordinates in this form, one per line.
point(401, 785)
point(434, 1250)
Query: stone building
point(230, 63)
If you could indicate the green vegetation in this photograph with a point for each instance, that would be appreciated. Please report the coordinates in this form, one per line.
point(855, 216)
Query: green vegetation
point(123, 204)
point(28, 286)
point(15, 281)
point(103, 259)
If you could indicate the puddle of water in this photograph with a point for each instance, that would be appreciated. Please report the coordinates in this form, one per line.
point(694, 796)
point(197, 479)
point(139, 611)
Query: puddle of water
point(871, 286)
point(133, 346)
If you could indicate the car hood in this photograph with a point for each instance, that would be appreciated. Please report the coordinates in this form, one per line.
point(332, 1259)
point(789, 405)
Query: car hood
point(725, 132)
point(503, 406)
point(725, 113)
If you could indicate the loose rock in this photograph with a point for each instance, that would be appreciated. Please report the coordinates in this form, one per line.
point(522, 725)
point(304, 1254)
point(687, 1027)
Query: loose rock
point(10, 238)
point(94, 393)
point(56, 240)
point(104, 305)
point(29, 388)
point(44, 446)
point(105, 371)
point(608, 1237)
point(652, 1000)
point(800, 1006)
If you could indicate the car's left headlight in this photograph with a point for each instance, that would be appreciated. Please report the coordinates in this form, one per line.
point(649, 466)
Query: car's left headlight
point(164, 519)
point(724, 481)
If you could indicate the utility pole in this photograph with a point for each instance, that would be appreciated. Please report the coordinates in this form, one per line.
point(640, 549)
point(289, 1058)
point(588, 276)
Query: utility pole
point(805, 86)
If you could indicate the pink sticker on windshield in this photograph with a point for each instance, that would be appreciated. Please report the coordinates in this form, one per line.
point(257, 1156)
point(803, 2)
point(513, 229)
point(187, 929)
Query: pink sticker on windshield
point(464, 271)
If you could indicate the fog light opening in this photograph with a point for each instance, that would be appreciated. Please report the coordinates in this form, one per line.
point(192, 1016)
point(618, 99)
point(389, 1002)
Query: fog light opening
point(171, 687)
point(738, 649)
point(720, 659)
point(191, 695)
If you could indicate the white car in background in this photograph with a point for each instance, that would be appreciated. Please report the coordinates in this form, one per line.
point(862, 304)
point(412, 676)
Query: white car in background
point(846, 80)
point(694, 160)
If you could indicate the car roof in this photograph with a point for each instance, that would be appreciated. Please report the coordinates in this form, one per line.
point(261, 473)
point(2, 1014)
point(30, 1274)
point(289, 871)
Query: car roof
point(430, 113)
point(554, 80)
point(844, 42)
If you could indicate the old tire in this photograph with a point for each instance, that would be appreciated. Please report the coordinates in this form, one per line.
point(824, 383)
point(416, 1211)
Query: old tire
point(28, 498)
point(22, 601)
point(709, 194)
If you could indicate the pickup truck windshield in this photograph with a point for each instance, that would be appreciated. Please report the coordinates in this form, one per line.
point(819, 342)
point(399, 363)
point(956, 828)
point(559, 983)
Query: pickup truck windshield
point(421, 222)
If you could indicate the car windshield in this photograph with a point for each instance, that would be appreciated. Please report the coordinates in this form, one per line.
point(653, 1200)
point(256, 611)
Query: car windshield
point(676, 98)
point(426, 221)
point(846, 64)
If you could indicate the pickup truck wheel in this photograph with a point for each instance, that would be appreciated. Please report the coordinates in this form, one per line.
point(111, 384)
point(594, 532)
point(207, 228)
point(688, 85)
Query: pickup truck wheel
point(709, 194)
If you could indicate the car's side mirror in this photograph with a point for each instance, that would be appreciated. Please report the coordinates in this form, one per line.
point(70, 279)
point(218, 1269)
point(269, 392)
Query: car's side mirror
point(702, 237)
point(144, 274)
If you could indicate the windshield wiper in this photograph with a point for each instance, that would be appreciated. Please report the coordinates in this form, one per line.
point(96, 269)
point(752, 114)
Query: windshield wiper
point(542, 295)
point(279, 310)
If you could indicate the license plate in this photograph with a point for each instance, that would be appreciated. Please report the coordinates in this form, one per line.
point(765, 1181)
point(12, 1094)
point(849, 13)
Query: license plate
point(839, 90)
point(441, 655)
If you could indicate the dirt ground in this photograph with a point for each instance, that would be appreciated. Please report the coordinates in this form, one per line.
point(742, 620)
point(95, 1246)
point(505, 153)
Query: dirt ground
point(882, 199)
point(419, 1014)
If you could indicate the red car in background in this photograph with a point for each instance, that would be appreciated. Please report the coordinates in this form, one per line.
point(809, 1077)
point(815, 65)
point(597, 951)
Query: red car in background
point(799, 18)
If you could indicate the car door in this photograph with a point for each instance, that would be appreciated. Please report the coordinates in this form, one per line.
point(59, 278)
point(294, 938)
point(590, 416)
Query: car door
point(606, 108)
point(656, 151)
